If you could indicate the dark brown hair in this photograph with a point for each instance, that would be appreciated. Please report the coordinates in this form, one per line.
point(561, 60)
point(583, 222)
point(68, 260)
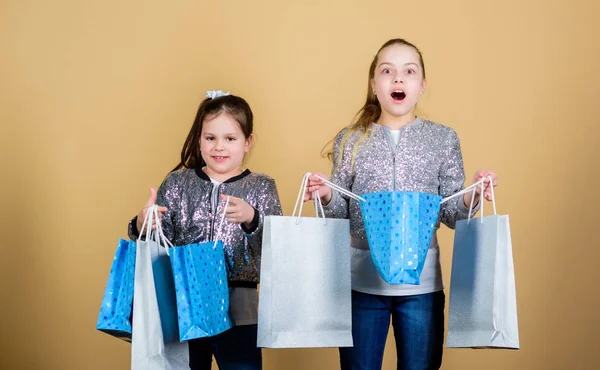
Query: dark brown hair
point(232, 105)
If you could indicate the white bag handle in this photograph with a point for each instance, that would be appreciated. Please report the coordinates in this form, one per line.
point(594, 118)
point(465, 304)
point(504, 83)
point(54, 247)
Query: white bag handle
point(148, 222)
point(483, 199)
point(218, 236)
point(158, 234)
point(317, 198)
point(161, 236)
point(472, 189)
point(341, 189)
point(300, 194)
point(318, 205)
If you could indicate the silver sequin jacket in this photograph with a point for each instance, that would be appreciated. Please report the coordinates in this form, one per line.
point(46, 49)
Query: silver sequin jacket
point(426, 159)
point(191, 197)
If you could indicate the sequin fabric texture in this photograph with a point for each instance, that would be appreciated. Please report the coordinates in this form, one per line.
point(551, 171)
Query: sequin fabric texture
point(190, 219)
point(427, 159)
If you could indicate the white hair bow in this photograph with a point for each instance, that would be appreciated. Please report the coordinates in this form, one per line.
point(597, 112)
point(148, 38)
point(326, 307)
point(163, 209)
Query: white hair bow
point(215, 93)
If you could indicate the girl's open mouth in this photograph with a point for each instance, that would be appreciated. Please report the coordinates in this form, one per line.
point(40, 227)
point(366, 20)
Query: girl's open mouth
point(398, 95)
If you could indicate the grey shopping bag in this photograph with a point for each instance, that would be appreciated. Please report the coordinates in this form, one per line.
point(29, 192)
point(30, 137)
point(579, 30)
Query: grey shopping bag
point(305, 287)
point(154, 341)
point(483, 303)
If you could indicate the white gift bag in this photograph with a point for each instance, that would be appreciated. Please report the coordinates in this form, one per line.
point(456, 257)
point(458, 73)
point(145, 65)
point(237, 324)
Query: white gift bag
point(305, 287)
point(154, 342)
point(483, 303)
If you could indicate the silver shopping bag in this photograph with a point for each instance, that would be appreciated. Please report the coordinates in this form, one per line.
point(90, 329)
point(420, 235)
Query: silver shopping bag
point(483, 303)
point(154, 340)
point(305, 288)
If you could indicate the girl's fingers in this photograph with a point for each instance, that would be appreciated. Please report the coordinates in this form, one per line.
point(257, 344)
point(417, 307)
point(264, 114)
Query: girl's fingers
point(232, 200)
point(490, 179)
point(235, 218)
point(152, 198)
point(311, 189)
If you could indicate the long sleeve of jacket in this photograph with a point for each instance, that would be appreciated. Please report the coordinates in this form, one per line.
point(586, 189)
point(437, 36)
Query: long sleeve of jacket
point(341, 175)
point(267, 204)
point(452, 178)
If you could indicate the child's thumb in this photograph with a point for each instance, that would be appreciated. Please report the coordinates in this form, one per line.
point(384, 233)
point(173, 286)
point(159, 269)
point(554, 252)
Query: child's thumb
point(231, 199)
point(152, 199)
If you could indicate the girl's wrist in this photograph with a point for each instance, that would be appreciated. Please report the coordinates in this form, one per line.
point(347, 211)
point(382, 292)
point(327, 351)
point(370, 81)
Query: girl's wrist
point(325, 199)
point(467, 200)
point(251, 226)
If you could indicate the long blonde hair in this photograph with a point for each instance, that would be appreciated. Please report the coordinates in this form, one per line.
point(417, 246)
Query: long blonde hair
point(369, 113)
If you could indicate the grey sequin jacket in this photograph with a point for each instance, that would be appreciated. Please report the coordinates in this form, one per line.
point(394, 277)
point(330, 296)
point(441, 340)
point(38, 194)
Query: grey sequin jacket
point(191, 198)
point(426, 159)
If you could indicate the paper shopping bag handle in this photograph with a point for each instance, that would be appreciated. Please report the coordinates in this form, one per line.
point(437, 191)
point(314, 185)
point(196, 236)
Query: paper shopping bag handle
point(318, 205)
point(304, 184)
point(218, 236)
point(472, 189)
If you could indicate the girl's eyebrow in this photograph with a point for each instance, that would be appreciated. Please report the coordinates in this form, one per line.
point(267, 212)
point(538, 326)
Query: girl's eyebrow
point(390, 64)
point(226, 134)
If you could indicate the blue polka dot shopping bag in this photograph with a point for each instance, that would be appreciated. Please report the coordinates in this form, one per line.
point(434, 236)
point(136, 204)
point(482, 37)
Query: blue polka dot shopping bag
point(117, 303)
point(201, 287)
point(399, 227)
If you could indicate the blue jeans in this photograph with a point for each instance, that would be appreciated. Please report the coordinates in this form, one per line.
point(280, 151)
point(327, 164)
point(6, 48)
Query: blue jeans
point(418, 322)
point(234, 349)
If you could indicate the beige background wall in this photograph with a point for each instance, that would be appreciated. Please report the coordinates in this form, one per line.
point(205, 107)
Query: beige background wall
point(96, 98)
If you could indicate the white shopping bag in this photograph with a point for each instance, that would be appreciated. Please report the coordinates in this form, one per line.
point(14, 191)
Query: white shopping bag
point(305, 287)
point(154, 344)
point(483, 303)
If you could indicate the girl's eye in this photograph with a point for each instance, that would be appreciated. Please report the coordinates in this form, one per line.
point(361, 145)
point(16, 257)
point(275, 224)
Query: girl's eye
point(230, 138)
point(411, 71)
point(209, 138)
point(387, 71)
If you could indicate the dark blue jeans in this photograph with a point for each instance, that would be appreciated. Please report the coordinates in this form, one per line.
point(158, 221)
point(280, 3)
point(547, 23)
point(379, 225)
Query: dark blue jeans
point(418, 322)
point(234, 349)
